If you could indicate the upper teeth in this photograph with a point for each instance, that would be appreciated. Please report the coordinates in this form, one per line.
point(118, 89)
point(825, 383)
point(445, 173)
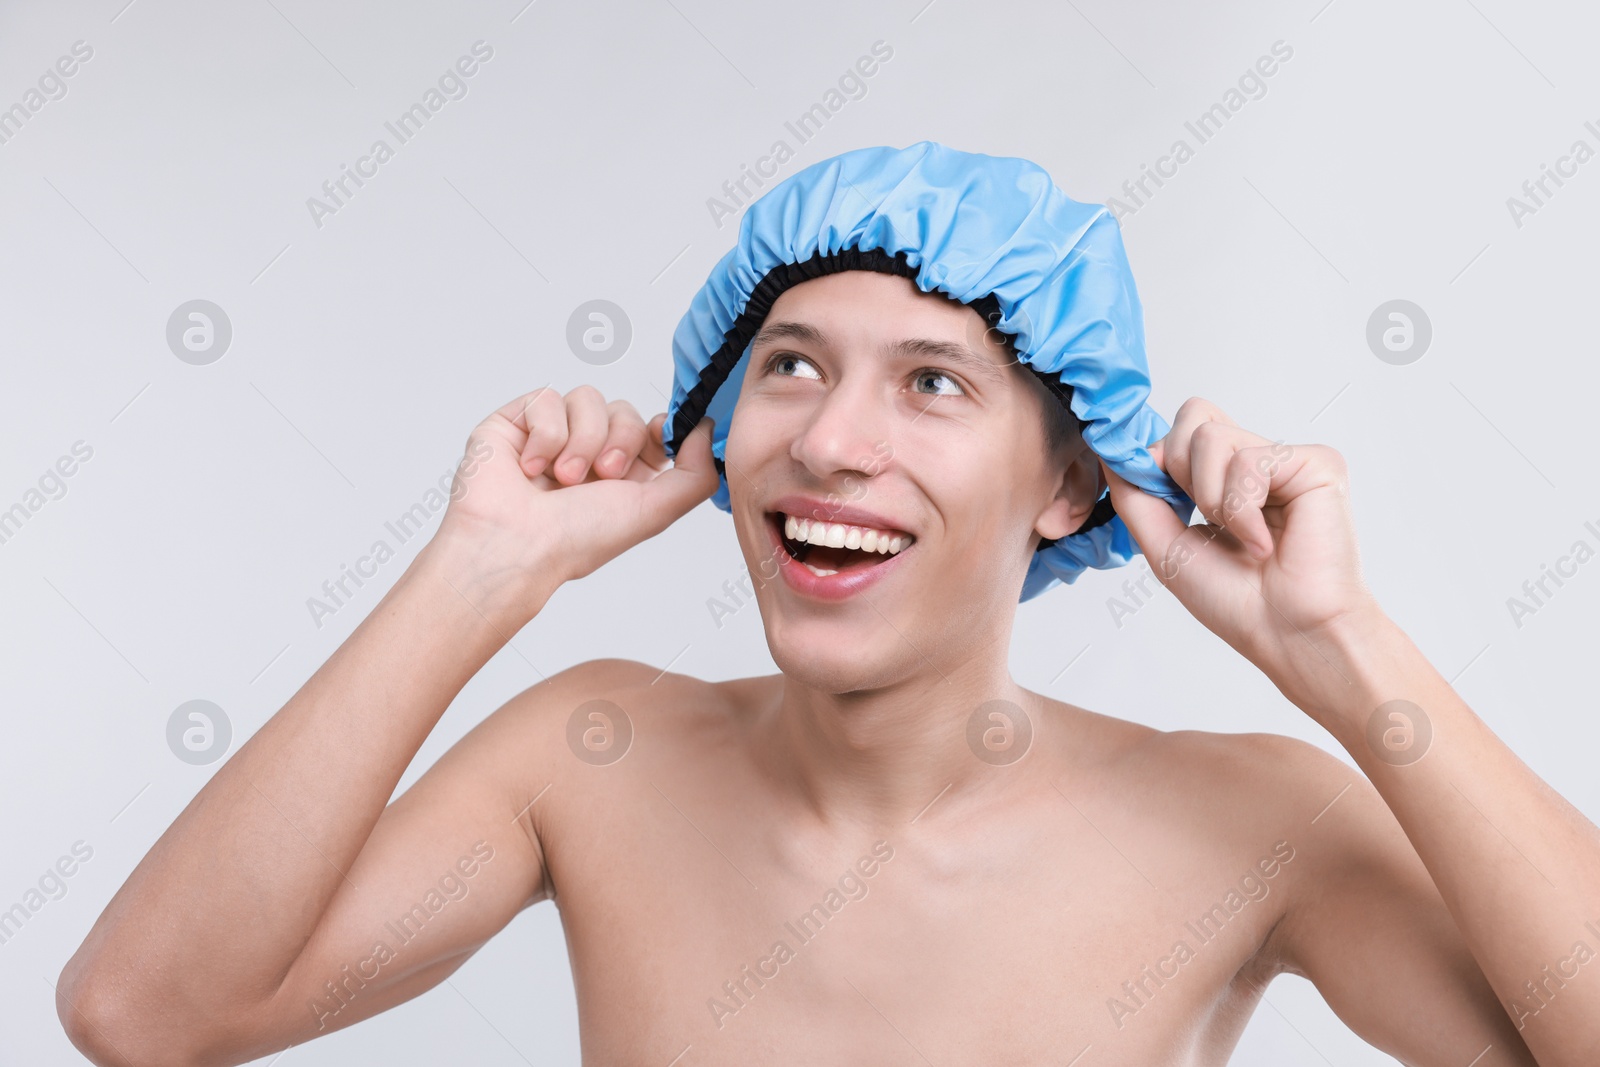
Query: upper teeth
point(835, 535)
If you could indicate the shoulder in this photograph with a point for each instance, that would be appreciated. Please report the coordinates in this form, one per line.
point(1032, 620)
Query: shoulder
point(1246, 767)
point(1221, 797)
point(607, 678)
point(1214, 797)
point(1345, 843)
point(634, 697)
point(1256, 788)
point(608, 673)
point(1229, 770)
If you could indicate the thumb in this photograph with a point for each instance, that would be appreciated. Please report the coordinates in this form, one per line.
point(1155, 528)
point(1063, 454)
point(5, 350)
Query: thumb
point(691, 479)
point(1150, 519)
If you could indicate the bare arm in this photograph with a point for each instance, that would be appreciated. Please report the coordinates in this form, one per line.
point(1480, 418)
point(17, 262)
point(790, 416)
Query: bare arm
point(1276, 573)
point(277, 845)
point(274, 886)
point(1367, 926)
point(1472, 909)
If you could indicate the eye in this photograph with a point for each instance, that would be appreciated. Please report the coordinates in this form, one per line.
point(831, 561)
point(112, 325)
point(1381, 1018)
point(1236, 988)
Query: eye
point(929, 373)
point(780, 358)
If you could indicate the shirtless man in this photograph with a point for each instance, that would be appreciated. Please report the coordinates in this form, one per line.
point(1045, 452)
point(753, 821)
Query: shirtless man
point(890, 852)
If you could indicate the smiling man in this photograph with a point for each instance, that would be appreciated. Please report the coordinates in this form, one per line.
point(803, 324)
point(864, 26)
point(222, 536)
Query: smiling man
point(976, 481)
point(889, 852)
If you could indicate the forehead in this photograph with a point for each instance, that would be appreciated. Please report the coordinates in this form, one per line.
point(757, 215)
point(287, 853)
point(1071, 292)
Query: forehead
point(850, 291)
point(860, 307)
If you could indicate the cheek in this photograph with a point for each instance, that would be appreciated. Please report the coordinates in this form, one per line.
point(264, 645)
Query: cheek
point(749, 440)
point(762, 430)
point(979, 484)
point(988, 505)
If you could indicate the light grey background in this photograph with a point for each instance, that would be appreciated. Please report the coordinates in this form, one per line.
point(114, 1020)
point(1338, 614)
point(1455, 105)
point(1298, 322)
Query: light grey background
point(177, 566)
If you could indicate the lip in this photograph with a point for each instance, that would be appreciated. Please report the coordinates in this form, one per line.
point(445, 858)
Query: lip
point(827, 587)
point(806, 507)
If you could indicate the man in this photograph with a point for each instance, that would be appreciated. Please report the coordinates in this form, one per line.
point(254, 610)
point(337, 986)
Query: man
point(857, 860)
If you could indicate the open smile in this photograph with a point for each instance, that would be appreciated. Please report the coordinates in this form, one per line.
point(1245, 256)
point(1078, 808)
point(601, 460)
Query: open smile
point(834, 561)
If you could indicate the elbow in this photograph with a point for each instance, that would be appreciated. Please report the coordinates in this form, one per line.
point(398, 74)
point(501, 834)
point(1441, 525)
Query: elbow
point(100, 1012)
point(87, 1011)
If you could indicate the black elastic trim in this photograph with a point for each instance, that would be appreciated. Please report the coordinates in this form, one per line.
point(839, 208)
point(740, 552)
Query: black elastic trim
point(786, 275)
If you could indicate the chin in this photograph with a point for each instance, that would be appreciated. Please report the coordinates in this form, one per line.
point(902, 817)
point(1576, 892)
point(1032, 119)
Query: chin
point(827, 657)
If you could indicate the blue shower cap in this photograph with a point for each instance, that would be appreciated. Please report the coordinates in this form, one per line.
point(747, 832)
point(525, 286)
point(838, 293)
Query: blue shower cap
point(993, 233)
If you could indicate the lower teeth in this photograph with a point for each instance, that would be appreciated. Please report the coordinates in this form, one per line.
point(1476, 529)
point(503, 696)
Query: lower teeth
point(819, 573)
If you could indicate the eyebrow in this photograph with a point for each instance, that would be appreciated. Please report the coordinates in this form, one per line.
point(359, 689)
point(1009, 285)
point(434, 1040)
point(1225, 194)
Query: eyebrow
point(958, 355)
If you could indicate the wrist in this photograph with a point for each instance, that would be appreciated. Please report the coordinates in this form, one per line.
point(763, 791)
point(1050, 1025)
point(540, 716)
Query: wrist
point(506, 585)
point(1342, 671)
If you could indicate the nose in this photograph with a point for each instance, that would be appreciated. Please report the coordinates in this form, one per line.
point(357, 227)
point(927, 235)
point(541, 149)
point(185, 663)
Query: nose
point(847, 431)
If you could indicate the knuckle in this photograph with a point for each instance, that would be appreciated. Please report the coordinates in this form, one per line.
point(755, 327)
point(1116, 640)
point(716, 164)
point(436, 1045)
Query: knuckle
point(1244, 462)
point(1336, 465)
point(1268, 459)
point(544, 435)
point(545, 394)
point(626, 418)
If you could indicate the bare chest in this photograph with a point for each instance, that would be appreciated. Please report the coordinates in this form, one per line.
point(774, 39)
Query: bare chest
point(703, 933)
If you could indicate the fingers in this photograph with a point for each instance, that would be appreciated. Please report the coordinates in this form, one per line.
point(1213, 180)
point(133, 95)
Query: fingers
point(1178, 443)
point(587, 426)
point(1150, 519)
point(1203, 453)
point(653, 457)
point(625, 439)
point(542, 417)
point(1231, 472)
point(568, 437)
point(655, 452)
point(691, 479)
point(1245, 484)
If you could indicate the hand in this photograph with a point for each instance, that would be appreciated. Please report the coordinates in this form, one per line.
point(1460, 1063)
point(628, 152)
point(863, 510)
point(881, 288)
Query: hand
point(1277, 564)
point(569, 483)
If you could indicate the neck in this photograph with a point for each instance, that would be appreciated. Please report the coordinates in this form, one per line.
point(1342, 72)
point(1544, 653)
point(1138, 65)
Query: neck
point(887, 754)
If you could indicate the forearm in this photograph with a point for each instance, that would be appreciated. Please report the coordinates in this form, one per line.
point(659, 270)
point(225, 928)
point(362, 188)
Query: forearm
point(1516, 864)
point(269, 840)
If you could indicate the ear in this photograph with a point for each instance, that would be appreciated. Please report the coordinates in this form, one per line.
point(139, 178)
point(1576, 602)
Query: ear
point(1081, 486)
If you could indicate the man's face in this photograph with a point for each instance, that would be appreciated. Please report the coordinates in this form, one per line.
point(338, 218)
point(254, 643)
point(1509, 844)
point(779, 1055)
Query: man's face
point(868, 403)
